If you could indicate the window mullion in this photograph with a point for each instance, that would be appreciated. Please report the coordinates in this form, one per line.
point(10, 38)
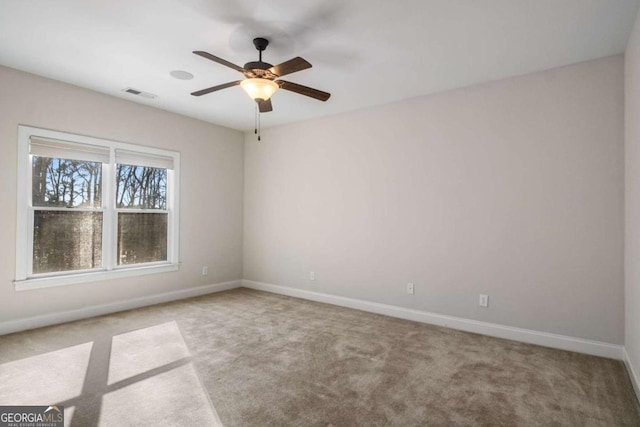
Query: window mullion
point(109, 220)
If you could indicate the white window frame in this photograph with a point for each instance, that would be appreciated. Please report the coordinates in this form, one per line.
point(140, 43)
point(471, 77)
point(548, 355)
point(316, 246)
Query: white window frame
point(24, 280)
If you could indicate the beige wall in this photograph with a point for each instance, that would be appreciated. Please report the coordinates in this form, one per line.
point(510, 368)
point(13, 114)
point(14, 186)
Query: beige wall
point(632, 198)
point(210, 199)
point(512, 188)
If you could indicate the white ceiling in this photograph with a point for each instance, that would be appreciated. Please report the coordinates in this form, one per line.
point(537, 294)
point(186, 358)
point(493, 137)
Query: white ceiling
point(364, 52)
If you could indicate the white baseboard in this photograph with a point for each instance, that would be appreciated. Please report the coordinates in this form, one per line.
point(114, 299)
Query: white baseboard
point(635, 379)
point(98, 310)
point(562, 342)
point(579, 345)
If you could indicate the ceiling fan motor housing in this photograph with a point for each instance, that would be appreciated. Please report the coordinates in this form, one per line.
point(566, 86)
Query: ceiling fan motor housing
point(259, 69)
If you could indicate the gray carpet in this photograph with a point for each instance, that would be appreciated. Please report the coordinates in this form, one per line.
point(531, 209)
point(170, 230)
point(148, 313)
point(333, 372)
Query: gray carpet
point(248, 358)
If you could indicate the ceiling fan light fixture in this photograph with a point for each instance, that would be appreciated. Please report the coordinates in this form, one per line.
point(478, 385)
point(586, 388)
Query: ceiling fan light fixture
point(259, 88)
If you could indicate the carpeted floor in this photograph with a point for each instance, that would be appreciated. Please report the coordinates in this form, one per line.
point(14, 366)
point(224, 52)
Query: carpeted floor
point(248, 358)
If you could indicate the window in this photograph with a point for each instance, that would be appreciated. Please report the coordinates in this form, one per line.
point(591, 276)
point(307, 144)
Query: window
point(92, 209)
point(141, 203)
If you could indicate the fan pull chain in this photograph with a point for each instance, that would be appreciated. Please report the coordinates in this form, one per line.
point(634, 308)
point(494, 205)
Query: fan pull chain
point(256, 129)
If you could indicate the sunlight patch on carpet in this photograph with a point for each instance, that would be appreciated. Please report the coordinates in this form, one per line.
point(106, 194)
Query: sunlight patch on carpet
point(68, 415)
point(175, 398)
point(46, 378)
point(136, 352)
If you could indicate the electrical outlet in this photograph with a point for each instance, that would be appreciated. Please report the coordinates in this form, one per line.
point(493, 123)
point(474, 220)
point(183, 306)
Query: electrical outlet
point(410, 288)
point(312, 275)
point(205, 270)
point(484, 300)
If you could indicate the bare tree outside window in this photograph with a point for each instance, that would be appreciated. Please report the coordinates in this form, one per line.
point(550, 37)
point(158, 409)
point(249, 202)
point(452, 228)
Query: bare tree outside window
point(66, 183)
point(67, 229)
point(141, 201)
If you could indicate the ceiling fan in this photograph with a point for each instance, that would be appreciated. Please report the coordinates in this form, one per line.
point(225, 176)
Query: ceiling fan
point(262, 79)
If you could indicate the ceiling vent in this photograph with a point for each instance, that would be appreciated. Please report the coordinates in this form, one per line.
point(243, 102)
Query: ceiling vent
point(139, 93)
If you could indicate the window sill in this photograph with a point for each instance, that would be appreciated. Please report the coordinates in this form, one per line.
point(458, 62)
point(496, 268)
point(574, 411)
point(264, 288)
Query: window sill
point(72, 279)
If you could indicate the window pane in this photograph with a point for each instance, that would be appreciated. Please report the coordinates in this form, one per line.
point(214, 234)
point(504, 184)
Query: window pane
point(142, 237)
point(141, 187)
point(66, 183)
point(65, 241)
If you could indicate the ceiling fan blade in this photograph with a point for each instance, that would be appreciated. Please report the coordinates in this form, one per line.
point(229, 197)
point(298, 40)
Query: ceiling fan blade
point(304, 90)
point(290, 66)
point(218, 60)
point(265, 106)
point(215, 88)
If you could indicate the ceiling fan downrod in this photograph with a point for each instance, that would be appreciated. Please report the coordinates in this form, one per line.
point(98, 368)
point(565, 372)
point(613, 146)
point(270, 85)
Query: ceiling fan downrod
point(260, 44)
